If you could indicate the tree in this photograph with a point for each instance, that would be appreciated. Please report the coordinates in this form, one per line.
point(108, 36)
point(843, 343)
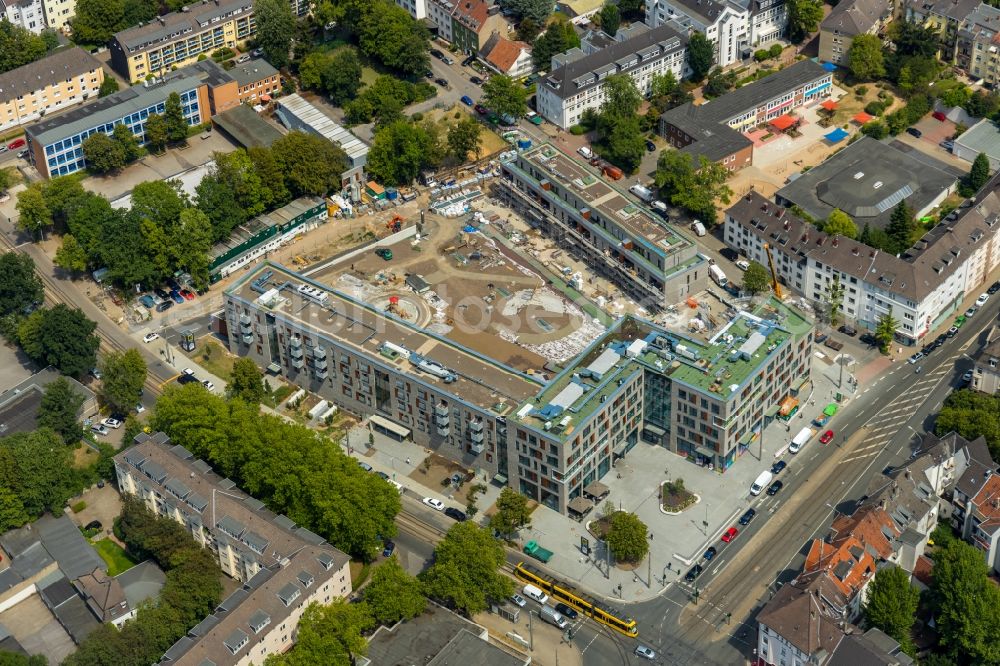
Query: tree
point(62, 337)
point(695, 189)
point(342, 76)
point(466, 570)
point(701, 55)
point(505, 96)
point(192, 244)
point(60, 409)
point(71, 256)
point(275, 29)
point(37, 470)
point(972, 415)
point(967, 605)
point(109, 86)
point(393, 594)
point(20, 288)
point(96, 21)
point(103, 154)
point(666, 93)
point(885, 331)
point(12, 513)
point(156, 132)
point(398, 153)
point(464, 138)
point(839, 222)
point(389, 34)
point(979, 174)
point(621, 142)
point(124, 374)
point(865, 59)
point(719, 82)
point(535, 10)
point(610, 19)
point(330, 634)
point(756, 278)
point(5, 179)
point(803, 18)
point(19, 46)
point(512, 513)
point(621, 97)
point(246, 382)
point(173, 115)
point(123, 136)
point(876, 238)
point(311, 164)
point(876, 129)
point(892, 604)
point(901, 227)
point(34, 215)
point(626, 537)
point(559, 37)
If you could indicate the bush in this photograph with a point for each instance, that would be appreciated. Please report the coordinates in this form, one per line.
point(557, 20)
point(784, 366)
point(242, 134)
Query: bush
point(861, 91)
point(78, 506)
point(760, 55)
point(776, 50)
point(577, 130)
point(874, 108)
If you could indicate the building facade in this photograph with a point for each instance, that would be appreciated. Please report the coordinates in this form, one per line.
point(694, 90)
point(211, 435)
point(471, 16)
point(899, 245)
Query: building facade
point(58, 13)
point(576, 83)
point(439, 14)
point(508, 57)
point(921, 288)
point(986, 372)
point(848, 20)
point(282, 567)
point(472, 23)
point(59, 81)
point(28, 14)
point(416, 8)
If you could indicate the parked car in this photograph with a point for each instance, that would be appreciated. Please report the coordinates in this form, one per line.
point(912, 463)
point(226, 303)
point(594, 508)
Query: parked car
point(455, 514)
point(729, 253)
point(914, 132)
point(566, 611)
point(437, 54)
point(476, 80)
point(149, 337)
point(98, 429)
point(365, 466)
point(947, 144)
point(93, 525)
point(730, 534)
point(967, 377)
point(650, 146)
point(468, 61)
point(164, 306)
point(710, 553)
point(481, 110)
point(256, 53)
point(188, 371)
point(826, 437)
point(434, 503)
point(23, 155)
point(971, 312)
point(441, 82)
point(176, 297)
point(778, 466)
point(518, 600)
point(644, 652)
point(952, 331)
point(981, 301)
point(849, 331)
point(916, 357)
point(147, 301)
point(994, 288)
point(693, 573)
point(868, 339)
point(208, 384)
point(743, 264)
point(466, 100)
point(447, 60)
point(111, 423)
point(161, 294)
point(389, 549)
point(774, 488)
point(243, 58)
point(96, 373)
point(15, 144)
point(747, 516)
point(187, 294)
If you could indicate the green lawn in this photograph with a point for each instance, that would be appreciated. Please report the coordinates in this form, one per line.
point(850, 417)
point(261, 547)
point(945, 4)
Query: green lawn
point(114, 555)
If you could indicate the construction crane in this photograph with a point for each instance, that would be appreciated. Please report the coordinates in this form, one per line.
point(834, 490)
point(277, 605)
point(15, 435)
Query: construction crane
point(774, 273)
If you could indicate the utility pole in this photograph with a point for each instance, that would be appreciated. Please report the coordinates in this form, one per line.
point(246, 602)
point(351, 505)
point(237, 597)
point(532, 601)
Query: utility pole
point(649, 569)
point(531, 634)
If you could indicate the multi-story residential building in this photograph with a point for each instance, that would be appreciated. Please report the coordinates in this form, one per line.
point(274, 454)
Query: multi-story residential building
point(472, 23)
point(205, 88)
point(735, 27)
point(508, 57)
point(439, 14)
point(576, 82)
point(706, 399)
point(59, 81)
point(256, 80)
point(416, 8)
point(944, 17)
point(986, 372)
point(282, 567)
point(58, 13)
point(653, 263)
point(715, 129)
point(980, 524)
point(976, 44)
point(27, 14)
point(848, 20)
point(920, 288)
point(105, 597)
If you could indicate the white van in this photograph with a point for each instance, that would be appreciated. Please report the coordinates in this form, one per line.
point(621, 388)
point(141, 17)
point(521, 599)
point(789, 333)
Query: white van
point(800, 440)
point(698, 228)
point(761, 482)
point(533, 592)
point(585, 151)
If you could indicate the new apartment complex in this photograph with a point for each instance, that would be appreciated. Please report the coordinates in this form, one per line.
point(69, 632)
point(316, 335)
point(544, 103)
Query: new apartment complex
point(704, 398)
point(576, 82)
point(619, 239)
point(55, 144)
point(178, 38)
point(59, 81)
point(282, 567)
point(715, 129)
point(735, 27)
point(921, 288)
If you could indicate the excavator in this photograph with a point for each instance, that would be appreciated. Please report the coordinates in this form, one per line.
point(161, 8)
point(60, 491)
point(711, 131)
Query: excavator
point(395, 224)
point(774, 273)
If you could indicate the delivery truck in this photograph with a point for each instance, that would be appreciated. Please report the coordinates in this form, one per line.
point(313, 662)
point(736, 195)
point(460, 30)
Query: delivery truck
point(718, 276)
point(535, 550)
point(800, 440)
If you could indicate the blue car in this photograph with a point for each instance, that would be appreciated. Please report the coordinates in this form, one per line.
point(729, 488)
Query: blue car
point(147, 301)
point(466, 100)
point(176, 297)
point(709, 554)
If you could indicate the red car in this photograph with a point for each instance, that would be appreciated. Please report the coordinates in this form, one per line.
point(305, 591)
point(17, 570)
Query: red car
point(826, 437)
point(730, 535)
point(188, 296)
point(15, 144)
point(481, 110)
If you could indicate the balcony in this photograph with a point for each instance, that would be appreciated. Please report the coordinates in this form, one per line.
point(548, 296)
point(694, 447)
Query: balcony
point(295, 352)
point(477, 448)
point(297, 363)
point(295, 342)
point(476, 426)
point(320, 364)
point(443, 431)
point(442, 421)
point(244, 320)
point(441, 410)
point(247, 338)
point(319, 352)
point(321, 373)
point(477, 437)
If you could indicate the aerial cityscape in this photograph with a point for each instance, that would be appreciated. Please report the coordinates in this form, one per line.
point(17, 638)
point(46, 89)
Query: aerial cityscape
point(501, 332)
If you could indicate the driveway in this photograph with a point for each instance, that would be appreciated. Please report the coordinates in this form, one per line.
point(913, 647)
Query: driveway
point(103, 504)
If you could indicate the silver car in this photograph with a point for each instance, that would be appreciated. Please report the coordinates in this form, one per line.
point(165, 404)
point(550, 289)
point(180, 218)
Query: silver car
point(644, 652)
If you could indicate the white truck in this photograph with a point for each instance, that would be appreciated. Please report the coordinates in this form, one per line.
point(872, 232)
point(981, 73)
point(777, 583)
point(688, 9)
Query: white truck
point(762, 481)
point(586, 152)
point(698, 228)
point(642, 192)
point(800, 440)
point(718, 276)
point(553, 617)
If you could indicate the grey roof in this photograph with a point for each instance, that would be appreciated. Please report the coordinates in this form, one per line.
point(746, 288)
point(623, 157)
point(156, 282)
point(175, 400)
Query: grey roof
point(254, 69)
point(35, 546)
point(175, 25)
point(246, 126)
point(712, 139)
point(569, 79)
point(322, 124)
point(866, 180)
point(61, 65)
point(873, 648)
point(983, 137)
point(78, 620)
point(856, 17)
point(57, 592)
point(437, 637)
point(705, 12)
point(141, 582)
point(19, 403)
point(955, 10)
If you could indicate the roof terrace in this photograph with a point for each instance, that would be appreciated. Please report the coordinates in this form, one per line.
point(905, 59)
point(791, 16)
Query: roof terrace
point(315, 307)
point(719, 365)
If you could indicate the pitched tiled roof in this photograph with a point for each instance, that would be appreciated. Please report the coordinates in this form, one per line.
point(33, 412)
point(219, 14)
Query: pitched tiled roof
point(503, 53)
point(799, 613)
point(856, 17)
point(104, 595)
point(987, 503)
point(472, 13)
